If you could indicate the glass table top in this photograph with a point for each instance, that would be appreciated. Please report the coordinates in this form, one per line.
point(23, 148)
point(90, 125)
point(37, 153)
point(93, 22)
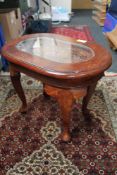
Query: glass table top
point(56, 49)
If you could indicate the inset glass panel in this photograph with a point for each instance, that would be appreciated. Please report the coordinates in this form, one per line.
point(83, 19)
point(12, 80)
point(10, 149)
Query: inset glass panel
point(57, 50)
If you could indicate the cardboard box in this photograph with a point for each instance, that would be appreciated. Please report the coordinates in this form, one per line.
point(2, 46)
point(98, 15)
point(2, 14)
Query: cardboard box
point(82, 4)
point(10, 20)
point(101, 8)
point(99, 14)
point(99, 21)
point(102, 2)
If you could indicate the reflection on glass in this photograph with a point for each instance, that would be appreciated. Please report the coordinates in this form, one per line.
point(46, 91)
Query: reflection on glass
point(56, 50)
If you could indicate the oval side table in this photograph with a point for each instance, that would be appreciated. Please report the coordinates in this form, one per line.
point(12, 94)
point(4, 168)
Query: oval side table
point(68, 70)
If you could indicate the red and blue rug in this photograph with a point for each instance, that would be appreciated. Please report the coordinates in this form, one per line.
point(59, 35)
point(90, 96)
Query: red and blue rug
point(30, 143)
point(81, 32)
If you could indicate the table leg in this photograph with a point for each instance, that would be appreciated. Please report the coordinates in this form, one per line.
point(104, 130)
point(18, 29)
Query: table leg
point(86, 99)
point(15, 78)
point(65, 100)
point(44, 92)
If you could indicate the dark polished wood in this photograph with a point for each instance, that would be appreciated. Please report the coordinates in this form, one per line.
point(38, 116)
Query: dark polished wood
point(67, 69)
point(15, 78)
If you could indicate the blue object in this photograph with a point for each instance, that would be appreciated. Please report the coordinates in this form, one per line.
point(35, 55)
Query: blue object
point(111, 17)
point(110, 23)
point(2, 42)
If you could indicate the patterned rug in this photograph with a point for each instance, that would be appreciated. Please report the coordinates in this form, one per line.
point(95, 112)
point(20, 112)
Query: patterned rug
point(80, 32)
point(30, 143)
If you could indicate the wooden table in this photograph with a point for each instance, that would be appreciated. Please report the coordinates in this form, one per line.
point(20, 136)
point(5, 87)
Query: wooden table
point(68, 70)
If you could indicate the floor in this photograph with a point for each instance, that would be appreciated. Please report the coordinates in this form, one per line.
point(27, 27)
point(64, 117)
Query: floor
point(84, 17)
